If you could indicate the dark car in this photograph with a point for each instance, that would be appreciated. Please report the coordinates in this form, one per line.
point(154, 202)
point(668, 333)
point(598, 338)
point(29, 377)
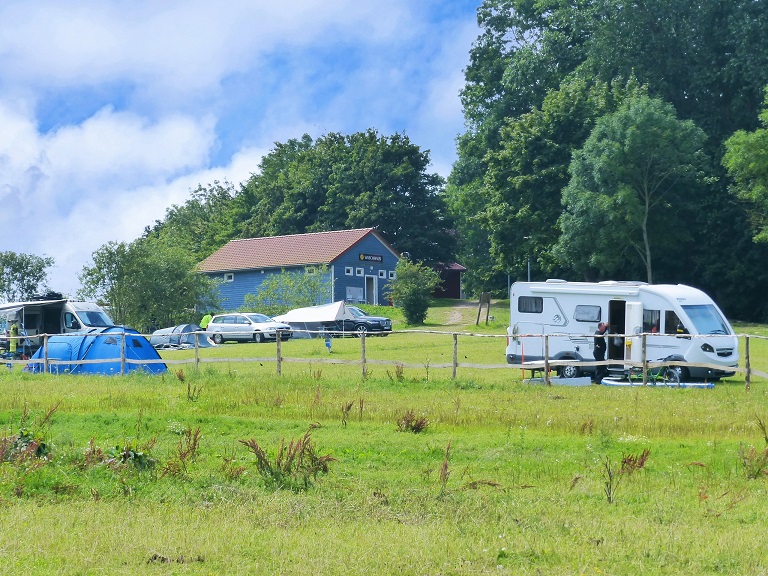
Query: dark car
point(363, 323)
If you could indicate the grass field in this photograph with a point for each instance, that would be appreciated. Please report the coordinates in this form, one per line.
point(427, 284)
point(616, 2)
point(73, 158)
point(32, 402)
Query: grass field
point(481, 475)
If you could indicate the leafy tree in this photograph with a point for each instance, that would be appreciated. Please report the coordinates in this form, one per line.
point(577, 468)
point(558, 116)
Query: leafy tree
point(354, 181)
point(746, 159)
point(710, 60)
point(22, 275)
point(290, 289)
point(627, 185)
point(203, 223)
point(148, 283)
point(411, 289)
point(525, 177)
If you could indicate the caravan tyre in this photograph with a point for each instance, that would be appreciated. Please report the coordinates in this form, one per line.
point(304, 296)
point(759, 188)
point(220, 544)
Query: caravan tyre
point(218, 338)
point(258, 337)
point(569, 371)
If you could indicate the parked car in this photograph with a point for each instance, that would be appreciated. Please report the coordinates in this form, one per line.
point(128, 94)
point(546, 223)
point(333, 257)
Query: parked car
point(364, 323)
point(246, 327)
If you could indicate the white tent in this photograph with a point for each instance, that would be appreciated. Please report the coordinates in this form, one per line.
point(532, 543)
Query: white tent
point(313, 320)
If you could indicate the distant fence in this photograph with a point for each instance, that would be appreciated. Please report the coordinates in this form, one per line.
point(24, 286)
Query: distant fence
point(545, 366)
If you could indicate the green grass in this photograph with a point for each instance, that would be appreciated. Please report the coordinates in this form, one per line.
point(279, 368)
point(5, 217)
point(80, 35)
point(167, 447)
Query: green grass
point(521, 492)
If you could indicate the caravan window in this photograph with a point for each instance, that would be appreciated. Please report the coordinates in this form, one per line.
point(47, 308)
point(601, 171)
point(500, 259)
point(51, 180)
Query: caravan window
point(672, 323)
point(651, 321)
point(584, 313)
point(530, 304)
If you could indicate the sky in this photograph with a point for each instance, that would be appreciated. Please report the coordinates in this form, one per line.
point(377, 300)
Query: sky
point(113, 111)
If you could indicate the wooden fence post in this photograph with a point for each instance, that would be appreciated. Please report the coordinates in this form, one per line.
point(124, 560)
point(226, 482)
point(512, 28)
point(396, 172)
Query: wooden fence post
point(645, 360)
point(748, 375)
point(455, 354)
point(197, 352)
point(122, 354)
point(279, 354)
point(45, 354)
point(362, 353)
point(546, 360)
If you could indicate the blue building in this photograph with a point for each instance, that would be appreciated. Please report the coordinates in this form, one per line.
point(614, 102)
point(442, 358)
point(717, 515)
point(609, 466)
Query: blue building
point(360, 264)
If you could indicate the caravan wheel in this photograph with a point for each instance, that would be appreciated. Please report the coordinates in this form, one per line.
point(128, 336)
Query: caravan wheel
point(570, 371)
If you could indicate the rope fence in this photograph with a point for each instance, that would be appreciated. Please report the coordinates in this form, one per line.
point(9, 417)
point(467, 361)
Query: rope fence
point(546, 365)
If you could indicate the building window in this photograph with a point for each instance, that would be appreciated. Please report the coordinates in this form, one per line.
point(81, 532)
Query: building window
point(391, 274)
point(229, 277)
point(348, 271)
point(382, 273)
point(359, 272)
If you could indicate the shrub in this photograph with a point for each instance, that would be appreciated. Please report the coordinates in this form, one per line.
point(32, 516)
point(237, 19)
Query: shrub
point(295, 466)
point(411, 289)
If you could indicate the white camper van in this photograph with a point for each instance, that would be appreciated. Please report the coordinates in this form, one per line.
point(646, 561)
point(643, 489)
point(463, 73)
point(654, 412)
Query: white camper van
point(682, 324)
point(50, 316)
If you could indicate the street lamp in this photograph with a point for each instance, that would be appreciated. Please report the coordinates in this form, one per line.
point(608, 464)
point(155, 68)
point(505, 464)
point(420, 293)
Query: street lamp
point(529, 259)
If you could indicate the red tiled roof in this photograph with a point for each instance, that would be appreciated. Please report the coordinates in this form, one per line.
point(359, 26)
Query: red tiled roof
point(278, 251)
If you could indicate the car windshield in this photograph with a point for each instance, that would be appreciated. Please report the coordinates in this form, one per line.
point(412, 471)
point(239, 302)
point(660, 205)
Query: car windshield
point(95, 318)
point(356, 312)
point(258, 318)
point(706, 319)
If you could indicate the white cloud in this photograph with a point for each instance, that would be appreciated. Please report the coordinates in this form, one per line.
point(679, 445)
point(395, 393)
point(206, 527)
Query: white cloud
point(113, 111)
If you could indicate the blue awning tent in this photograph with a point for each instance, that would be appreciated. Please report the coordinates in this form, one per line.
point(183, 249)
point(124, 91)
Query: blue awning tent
point(98, 344)
point(181, 336)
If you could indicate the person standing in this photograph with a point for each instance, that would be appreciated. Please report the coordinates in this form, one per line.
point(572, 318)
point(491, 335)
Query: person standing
point(13, 340)
point(599, 351)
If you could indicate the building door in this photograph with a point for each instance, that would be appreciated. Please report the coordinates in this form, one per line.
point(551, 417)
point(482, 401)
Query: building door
point(371, 292)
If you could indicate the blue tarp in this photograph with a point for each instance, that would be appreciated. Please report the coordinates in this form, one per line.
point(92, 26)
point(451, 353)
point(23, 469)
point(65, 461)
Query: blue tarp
point(98, 344)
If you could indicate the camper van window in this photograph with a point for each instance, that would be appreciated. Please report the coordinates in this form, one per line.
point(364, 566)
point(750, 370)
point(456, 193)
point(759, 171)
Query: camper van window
point(584, 313)
point(706, 319)
point(530, 304)
point(651, 321)
point(672, 323)
point(95, 318)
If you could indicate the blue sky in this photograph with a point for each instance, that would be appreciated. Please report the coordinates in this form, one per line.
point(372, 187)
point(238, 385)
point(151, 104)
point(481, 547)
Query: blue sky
point(112, 111)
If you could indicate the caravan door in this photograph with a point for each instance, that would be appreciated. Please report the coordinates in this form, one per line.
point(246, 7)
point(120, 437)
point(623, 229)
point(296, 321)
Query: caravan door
point(633, 327)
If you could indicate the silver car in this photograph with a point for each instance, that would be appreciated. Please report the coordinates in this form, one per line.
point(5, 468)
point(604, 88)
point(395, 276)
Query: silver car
point(246, 327)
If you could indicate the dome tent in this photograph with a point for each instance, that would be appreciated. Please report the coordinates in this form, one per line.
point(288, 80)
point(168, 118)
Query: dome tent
point(181, 336)
point(98, 344)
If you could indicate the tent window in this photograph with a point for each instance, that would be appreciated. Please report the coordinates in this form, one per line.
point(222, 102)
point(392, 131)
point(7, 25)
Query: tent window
point(136, 343)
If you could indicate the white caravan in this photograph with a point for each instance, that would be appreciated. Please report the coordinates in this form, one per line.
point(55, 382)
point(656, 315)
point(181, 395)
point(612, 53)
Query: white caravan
point(50, 316)
point(682, 324)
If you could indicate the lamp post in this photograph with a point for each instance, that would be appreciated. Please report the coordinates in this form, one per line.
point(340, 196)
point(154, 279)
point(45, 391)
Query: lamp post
point(529, 259)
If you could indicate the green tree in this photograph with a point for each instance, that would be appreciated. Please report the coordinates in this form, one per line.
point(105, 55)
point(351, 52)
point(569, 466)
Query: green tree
point(290, 289)
point(22, 275)
point(628, 184)
point(356, 181)
point(203, 223)
point(411, 289)
point(148, 283)
point(746, 159)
